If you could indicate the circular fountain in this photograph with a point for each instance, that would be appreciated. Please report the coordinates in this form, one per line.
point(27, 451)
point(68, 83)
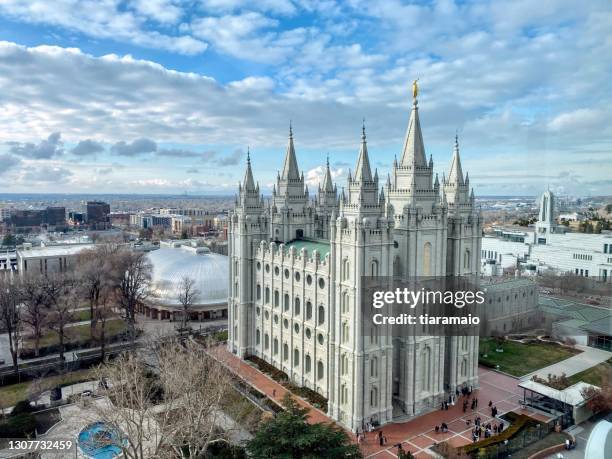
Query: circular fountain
point(100, 441)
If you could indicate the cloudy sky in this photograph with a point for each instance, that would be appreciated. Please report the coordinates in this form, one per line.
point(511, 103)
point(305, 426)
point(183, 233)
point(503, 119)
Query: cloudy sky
point(165, 96)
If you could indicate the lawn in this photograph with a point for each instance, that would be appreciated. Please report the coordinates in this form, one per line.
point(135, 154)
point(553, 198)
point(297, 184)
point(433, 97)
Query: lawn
point(594, 375)
point(81, 316)
point(78, 333)
point(10, 395)
point(518, 359)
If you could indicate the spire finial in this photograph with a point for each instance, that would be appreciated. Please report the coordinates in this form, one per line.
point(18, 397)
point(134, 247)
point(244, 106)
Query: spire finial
point(248, 154)
point(290, 129)
point(327, 160)
point(415, 89)
point(363, 134)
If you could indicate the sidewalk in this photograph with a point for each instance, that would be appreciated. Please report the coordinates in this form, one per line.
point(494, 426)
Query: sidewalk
point(589, 357)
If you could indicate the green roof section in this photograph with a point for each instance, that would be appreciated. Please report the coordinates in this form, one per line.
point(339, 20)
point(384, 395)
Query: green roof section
point(585, 316)
point(572, 323)
point(321, 246)
point(507, 284)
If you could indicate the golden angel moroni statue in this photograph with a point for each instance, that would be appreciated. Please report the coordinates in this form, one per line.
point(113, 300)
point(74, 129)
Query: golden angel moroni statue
point(415, 89)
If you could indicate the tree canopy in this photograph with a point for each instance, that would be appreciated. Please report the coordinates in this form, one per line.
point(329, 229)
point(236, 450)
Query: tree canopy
point(289, 435)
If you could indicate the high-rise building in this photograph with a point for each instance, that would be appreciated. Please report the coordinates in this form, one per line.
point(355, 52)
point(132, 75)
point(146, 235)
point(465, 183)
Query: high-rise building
point(297, 267)
point(56, 216)
point(5, 213)
point(27, 218)
point(98, 214)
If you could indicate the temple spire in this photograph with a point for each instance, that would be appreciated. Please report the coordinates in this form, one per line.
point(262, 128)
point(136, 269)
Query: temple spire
point(363, 172)
point(290, 167)
point(327, 179)
point(455, 174)
point(413, 153)
point(249, 183)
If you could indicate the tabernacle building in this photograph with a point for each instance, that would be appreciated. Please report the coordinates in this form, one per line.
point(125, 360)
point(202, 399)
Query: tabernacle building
point(297, 267)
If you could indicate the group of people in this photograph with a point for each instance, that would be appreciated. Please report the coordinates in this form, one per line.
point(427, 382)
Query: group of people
point(442, 428)
point(380, 436)
point(466, 391)
point(473, 404)
point(481, 430)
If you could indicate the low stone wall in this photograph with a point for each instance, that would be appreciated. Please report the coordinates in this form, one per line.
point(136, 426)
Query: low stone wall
point(551, 449)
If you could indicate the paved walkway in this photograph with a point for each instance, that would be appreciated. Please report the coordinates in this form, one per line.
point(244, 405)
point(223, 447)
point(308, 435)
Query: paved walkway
point(416, 435)
point(589, 357)
point(581, 434)
point(265, 384)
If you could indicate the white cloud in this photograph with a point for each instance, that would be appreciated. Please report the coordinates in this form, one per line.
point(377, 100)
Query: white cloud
point(163, 11)
point(314, 177)
point(247, 35)
point(161, 183)
point(284, 7)
point(106, 19)
point(45, 174)
point(577, 120)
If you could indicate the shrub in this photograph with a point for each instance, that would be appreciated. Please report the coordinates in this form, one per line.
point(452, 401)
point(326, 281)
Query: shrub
point(21, 407)
point(19, 426)
point(221, 336)
point(273, 372)
point(313, 397)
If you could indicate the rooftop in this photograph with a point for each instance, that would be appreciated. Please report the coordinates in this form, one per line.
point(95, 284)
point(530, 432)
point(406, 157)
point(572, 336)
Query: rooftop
point(510, 282)
point(321, 246)
point(595, 319)
point(571, 395)
point(209, 271)
point(54, 250)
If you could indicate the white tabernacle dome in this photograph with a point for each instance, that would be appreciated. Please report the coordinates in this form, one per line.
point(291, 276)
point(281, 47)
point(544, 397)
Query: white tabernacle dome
point(210, 271)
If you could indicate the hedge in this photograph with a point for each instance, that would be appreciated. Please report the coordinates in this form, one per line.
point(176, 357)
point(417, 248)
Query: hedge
point(507, 434)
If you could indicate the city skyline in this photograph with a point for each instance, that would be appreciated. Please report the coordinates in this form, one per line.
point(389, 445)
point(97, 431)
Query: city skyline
point(163, 98)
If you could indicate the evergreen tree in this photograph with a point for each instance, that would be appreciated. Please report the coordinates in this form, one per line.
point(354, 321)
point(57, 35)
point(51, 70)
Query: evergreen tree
point(290, 436)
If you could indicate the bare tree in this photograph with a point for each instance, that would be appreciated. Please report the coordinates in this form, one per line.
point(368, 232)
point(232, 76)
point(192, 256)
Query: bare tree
point(10, 318)
point(187, 295)
point(35, 311)
point(134, 270)
point(103, 312)
point(95, 274)
point(62, 300)
point(173, 411)
point(194, 386)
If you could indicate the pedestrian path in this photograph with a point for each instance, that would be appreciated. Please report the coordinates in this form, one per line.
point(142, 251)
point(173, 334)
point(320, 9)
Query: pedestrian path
point(589, 357)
